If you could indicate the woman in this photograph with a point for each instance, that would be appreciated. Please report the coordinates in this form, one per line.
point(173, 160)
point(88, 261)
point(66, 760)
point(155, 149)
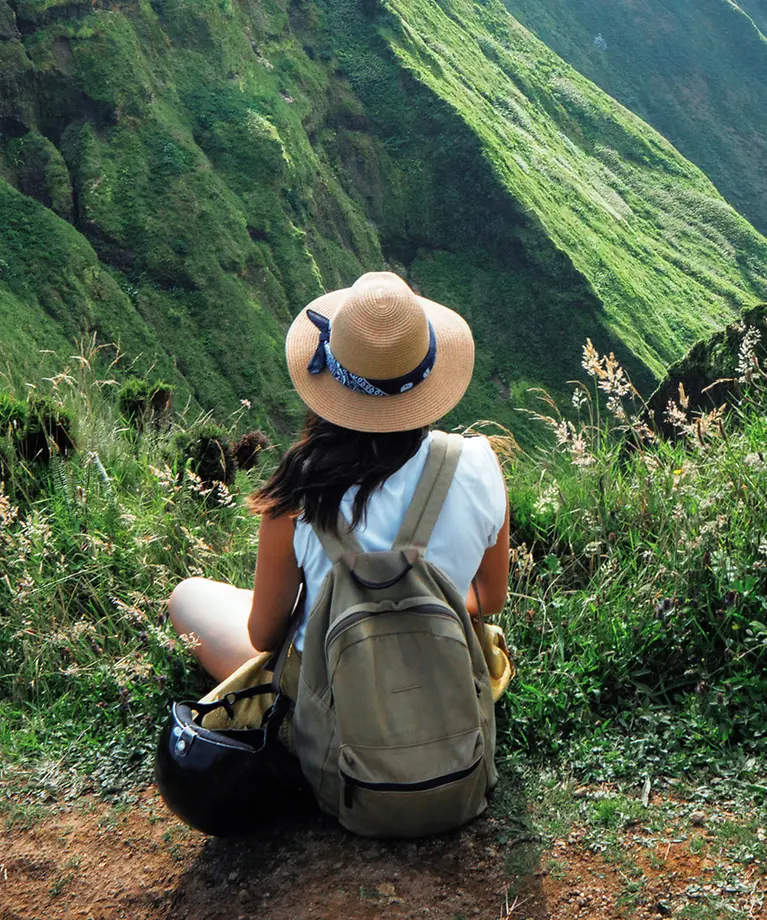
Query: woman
point(376, 365)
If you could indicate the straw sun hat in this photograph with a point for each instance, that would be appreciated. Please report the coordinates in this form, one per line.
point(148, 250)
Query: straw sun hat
point(377, 357)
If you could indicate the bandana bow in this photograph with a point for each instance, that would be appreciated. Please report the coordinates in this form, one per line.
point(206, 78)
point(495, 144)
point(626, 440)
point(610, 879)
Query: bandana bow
point(319, 362)
point(324, 358)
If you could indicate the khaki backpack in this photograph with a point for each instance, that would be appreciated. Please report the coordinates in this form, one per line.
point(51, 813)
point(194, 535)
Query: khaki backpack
point(394, 723)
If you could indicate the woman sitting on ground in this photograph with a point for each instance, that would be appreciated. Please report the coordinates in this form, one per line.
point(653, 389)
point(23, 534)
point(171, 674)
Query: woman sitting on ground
point(371, 396)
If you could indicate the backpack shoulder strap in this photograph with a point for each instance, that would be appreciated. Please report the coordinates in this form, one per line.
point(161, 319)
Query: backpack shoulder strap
point(344, 546)
point(430, 493)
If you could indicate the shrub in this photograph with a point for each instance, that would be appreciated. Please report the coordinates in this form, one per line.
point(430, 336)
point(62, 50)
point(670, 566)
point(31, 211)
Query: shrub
point(247, 450)
point(638, 577)
point(86, 567)
point(141, 402)
point(48, 431)
point(208, 452)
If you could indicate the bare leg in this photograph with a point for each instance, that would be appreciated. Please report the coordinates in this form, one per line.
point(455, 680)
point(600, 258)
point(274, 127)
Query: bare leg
point(217, 614)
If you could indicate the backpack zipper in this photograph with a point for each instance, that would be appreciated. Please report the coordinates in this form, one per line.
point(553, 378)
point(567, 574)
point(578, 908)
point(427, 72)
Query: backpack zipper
point(424, 786)
point(351, 619)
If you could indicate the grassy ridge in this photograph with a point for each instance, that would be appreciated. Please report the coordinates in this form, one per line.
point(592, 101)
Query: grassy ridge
point(694, 69)
point(757, 11)
point(642, 225)
point(201, 170)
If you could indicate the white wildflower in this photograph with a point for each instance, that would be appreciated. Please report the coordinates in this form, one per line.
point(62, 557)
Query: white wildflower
point(615, 406)
point(547, 501)
point(8, 512)
point(747, 359)
point(223, 495)
point(676, 417)
point(579, 398)
point(592, 363)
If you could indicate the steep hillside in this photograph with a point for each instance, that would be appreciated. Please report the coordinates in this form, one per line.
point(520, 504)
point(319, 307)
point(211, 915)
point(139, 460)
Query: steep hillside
point(694, 69)
point(184, 176)
point(757, 10)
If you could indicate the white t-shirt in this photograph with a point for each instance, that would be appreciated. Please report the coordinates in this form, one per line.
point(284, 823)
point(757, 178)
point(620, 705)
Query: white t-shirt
point(469, 523)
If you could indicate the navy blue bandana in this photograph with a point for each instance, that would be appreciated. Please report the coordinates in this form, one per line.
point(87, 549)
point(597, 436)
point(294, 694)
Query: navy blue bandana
point(323, 358)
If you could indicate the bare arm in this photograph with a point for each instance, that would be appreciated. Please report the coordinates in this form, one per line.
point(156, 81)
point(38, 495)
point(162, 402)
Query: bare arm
point(278, 579)
point(493, 575)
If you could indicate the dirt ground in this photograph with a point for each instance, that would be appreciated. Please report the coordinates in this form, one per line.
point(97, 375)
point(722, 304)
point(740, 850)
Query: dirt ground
point(92, 861)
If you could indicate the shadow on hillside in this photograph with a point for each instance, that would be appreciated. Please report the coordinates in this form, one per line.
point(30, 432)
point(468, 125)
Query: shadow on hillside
point(307, 866)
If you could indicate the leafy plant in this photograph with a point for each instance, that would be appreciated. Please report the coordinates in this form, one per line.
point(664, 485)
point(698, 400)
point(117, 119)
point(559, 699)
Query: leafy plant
point(141, 401)
point(207, 450)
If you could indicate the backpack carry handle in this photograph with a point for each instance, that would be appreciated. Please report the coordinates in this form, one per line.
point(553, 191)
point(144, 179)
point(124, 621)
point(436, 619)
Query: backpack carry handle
point(409, 557)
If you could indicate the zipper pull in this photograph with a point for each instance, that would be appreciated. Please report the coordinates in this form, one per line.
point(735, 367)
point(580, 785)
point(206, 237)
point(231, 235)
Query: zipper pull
point(348, 794)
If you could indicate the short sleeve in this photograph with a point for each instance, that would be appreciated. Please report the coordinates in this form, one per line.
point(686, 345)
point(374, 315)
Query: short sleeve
point(484, 478)
point(497, 492)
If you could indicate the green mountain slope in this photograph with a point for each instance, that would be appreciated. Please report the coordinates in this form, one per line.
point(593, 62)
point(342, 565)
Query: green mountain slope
point(757, 10)
point(694, 69)
point(184, 175)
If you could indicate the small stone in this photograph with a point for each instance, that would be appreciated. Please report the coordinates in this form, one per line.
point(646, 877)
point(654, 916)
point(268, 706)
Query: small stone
point(243, 895)
point(698, 819)
point(581, 792)
point(232, 878)
point(663, 908)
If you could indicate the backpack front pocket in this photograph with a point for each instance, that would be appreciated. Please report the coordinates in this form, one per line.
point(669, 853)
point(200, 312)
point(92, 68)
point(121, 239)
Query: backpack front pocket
point(412, 791)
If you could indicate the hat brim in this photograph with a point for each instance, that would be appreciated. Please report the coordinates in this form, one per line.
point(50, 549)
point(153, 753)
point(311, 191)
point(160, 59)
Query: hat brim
point(434, 397)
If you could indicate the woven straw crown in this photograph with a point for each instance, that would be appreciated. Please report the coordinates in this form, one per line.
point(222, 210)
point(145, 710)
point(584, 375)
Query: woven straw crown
point(380, 331)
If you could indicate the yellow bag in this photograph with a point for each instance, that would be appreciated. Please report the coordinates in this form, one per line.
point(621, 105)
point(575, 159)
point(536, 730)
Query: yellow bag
point(498, 659)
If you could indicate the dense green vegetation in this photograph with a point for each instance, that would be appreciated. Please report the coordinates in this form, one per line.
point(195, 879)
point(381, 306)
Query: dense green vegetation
point(710, 372)
point(638, 575)
point(757, 11)
point(637, 608)
point(694, 69)
point(182, 177)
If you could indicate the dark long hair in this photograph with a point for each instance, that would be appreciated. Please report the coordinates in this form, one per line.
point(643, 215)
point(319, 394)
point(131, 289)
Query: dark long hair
point(314, 474)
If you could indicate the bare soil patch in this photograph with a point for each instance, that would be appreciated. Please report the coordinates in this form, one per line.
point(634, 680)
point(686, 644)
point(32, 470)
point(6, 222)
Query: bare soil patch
point(93, 861)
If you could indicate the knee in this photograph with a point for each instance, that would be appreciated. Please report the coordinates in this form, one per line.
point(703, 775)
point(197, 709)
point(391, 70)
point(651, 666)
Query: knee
point(179, 603)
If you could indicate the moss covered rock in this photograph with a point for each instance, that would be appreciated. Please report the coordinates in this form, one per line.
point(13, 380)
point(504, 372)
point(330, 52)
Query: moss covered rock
point(207, 450)
point(715, 371)
point(49, 431)
point(41, 172)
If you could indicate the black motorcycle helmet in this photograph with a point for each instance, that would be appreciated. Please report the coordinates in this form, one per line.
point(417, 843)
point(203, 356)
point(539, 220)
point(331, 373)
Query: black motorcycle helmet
point(226, 783)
